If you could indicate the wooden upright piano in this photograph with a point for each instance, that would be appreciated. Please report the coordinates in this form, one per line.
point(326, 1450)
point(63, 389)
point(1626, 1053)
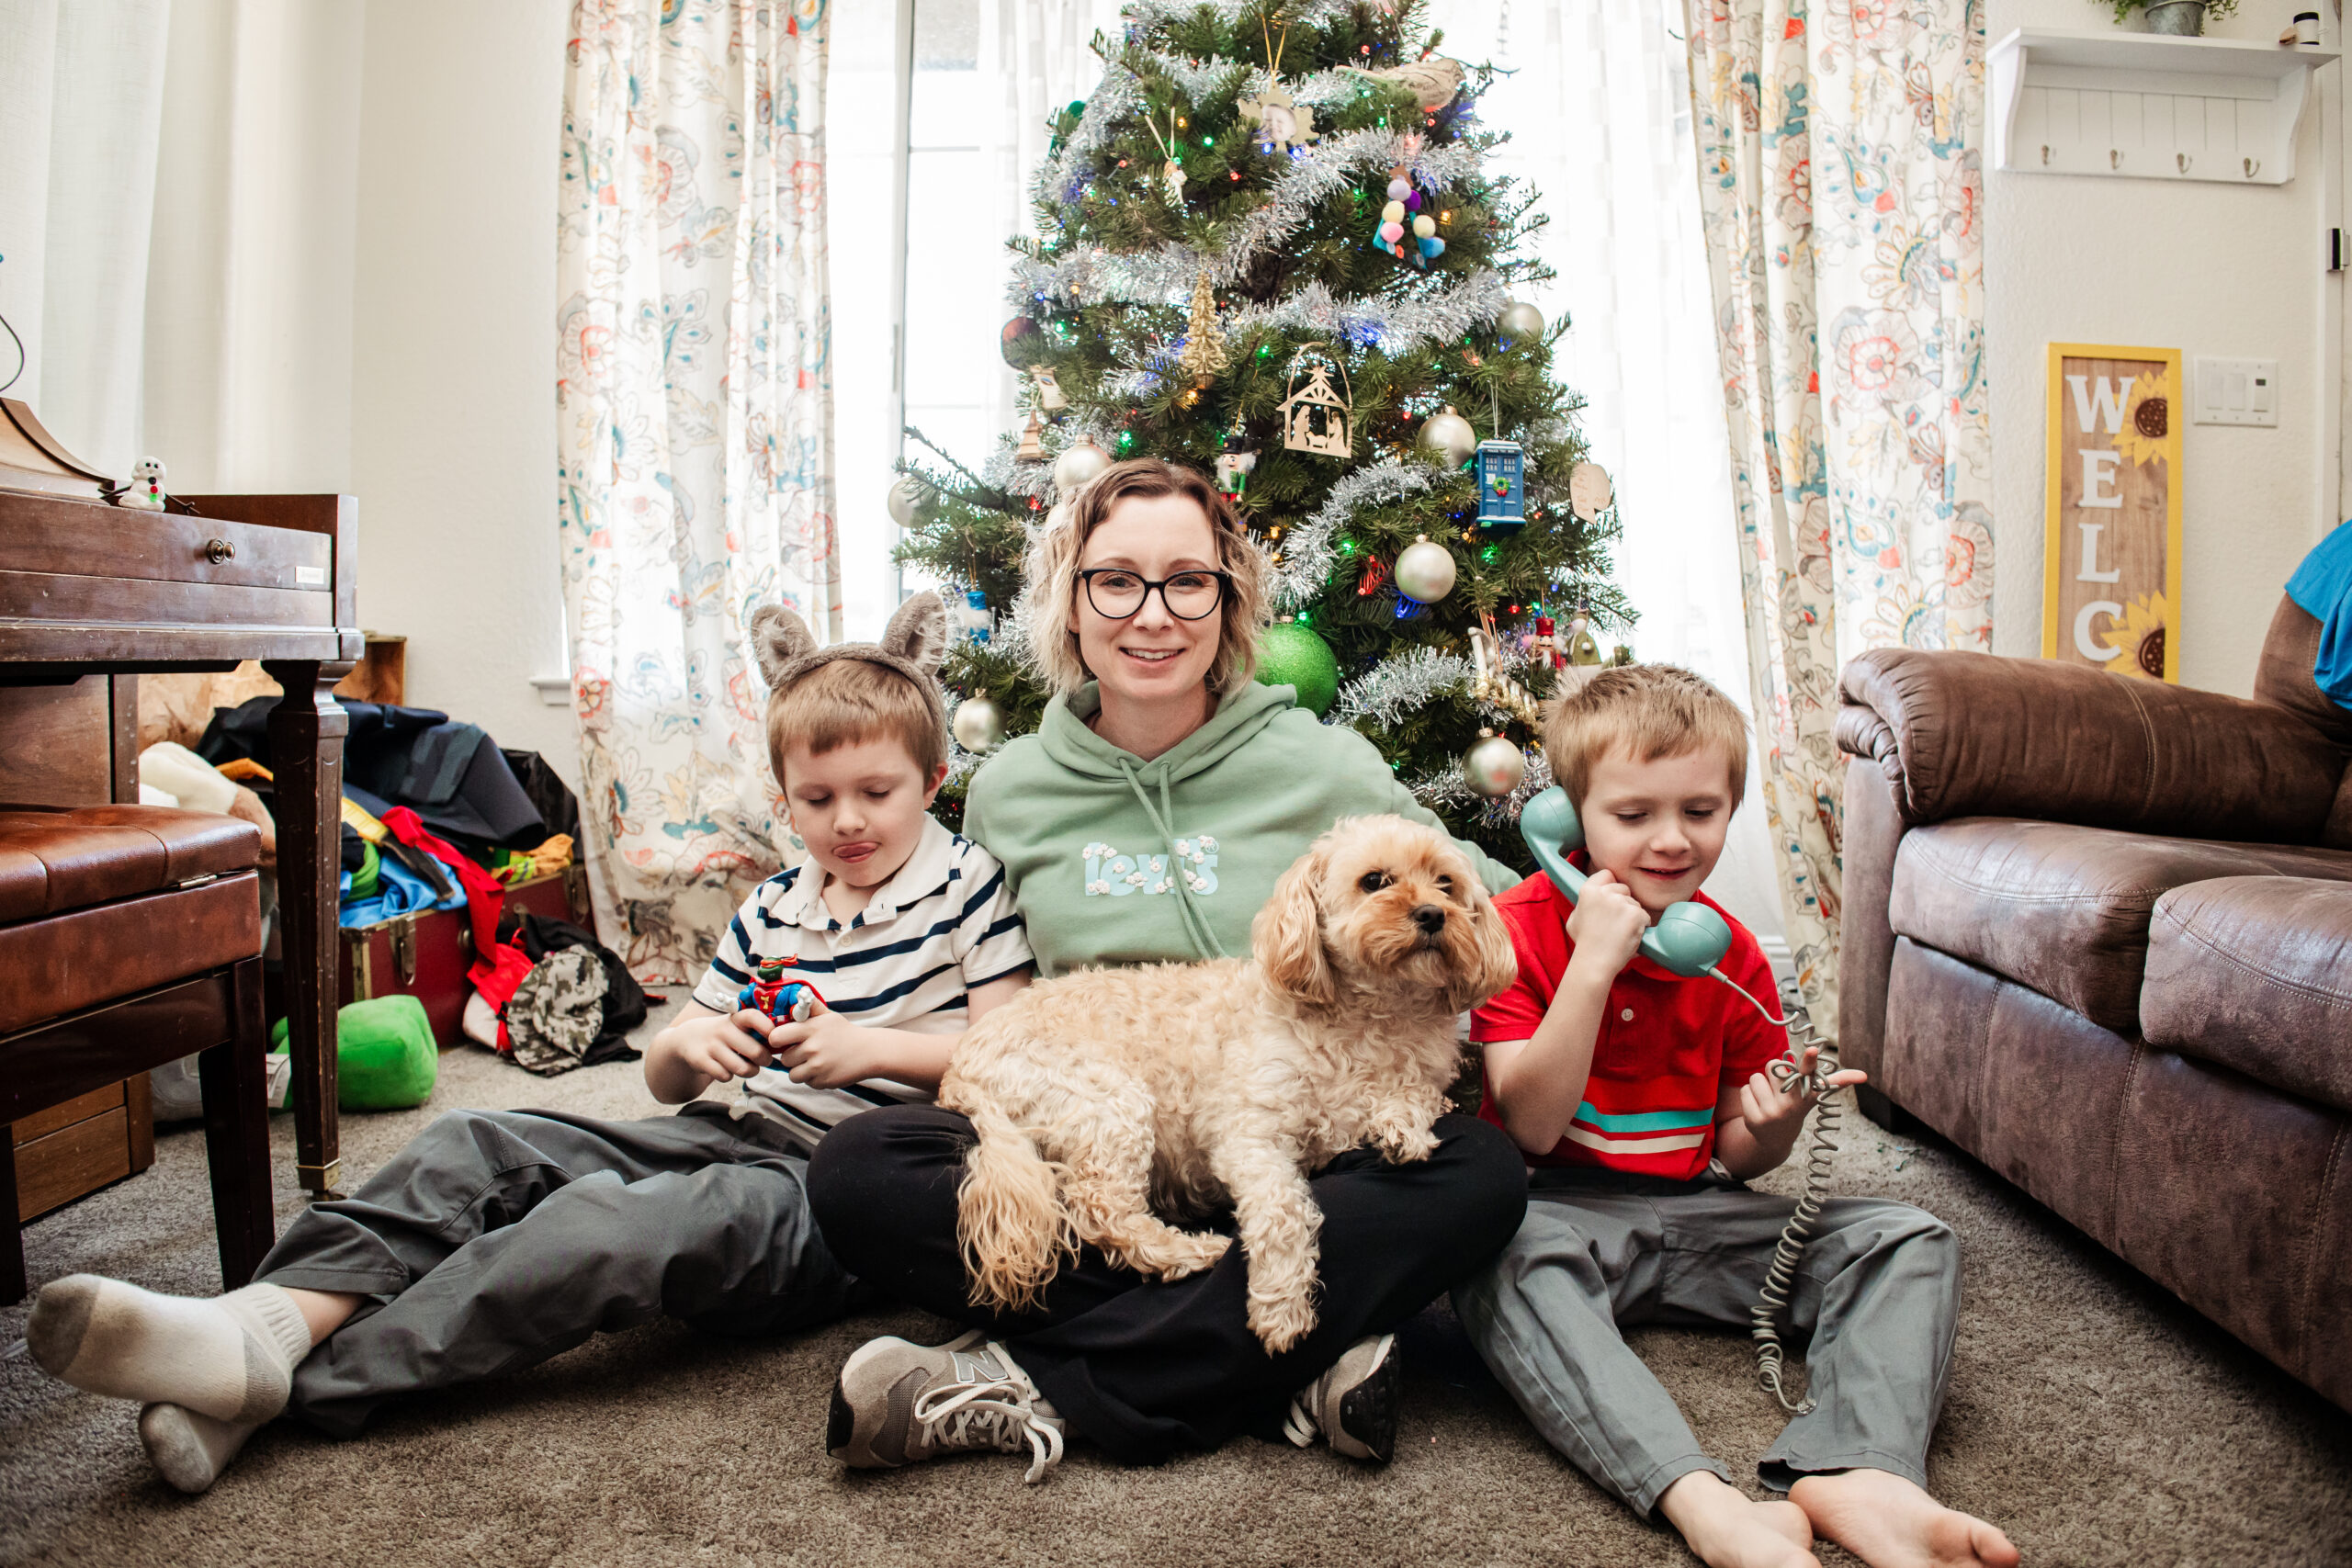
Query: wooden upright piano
point(90, 589)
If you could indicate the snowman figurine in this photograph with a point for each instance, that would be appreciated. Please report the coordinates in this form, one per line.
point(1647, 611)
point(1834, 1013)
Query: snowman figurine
point(145, 490)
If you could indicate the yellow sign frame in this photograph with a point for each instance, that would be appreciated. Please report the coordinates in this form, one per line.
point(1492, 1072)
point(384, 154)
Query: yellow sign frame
point(2056, 542)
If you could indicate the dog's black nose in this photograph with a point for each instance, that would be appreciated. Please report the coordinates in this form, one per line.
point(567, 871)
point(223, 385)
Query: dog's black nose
point(1430, 918)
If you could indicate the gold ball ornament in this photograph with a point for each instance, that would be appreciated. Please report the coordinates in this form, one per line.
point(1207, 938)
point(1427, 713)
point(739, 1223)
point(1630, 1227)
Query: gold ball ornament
point(1448, 437)
point(1494, 767)
point(1425, 571)
point(1079, 464)
point(905, 496)
point(978, 724)
point(1519, 322)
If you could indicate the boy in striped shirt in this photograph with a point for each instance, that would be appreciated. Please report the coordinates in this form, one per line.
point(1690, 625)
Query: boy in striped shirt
point(1641, 1102)
point(498, 1238)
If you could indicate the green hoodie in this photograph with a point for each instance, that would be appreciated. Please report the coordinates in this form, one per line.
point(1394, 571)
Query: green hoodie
point(1093, 838)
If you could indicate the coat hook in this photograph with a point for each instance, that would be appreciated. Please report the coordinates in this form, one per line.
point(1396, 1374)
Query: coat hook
point(2114, 159)
point(2183, 160)
point(2253, 167)
point(2045, 153)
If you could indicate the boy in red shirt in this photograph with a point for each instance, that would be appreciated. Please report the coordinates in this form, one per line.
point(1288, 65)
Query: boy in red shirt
point(1642, 1104)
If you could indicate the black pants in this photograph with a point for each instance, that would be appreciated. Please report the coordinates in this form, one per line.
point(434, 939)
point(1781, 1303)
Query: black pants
point(1147, 1370)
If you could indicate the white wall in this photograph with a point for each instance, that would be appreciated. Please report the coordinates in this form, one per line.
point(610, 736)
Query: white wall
point(2203, 268)
point(452, 401)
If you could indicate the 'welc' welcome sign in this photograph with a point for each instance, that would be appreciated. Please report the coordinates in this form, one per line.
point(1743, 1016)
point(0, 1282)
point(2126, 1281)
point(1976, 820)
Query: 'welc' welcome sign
point(2113, 597)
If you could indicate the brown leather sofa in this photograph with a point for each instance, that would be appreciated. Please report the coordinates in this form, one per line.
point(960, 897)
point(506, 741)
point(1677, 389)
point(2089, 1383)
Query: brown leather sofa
point(2098, 934)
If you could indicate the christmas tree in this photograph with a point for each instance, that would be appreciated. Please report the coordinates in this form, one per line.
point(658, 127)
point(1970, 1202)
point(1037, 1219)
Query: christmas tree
point(1269, 247)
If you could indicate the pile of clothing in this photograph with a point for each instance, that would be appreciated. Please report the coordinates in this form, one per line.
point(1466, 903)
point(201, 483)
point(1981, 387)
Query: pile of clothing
point(436, 816)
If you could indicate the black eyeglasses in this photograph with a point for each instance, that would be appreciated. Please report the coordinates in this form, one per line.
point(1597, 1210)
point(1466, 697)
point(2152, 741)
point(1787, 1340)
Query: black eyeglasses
point(1116, 593)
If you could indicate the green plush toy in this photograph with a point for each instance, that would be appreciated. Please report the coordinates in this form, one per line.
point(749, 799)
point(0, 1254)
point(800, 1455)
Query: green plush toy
point(385, 1057)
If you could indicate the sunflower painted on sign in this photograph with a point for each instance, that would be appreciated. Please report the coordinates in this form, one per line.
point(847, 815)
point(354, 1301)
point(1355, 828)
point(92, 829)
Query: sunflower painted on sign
point(2145, 434)
point(2139, 636)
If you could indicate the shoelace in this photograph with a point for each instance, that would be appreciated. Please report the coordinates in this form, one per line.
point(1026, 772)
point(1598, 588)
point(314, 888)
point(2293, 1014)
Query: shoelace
point(999, 1412)
point(1300, 1425)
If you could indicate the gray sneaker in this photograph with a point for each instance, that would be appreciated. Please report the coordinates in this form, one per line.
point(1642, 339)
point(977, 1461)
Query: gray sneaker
point(1354, 1405)
point(897, 1402)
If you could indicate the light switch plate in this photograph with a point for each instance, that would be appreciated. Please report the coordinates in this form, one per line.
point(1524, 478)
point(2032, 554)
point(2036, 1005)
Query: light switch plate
point(2235, 391)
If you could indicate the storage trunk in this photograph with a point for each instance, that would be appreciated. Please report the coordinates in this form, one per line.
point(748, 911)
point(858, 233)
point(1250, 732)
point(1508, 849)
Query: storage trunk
point(426, 955)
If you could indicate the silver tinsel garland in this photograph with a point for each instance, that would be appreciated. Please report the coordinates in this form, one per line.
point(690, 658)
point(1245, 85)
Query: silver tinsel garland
point(1165, 276)
point(1400, 684)
point(1306, 550)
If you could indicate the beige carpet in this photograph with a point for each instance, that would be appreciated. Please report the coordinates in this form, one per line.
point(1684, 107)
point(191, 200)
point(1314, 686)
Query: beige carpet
point(2094, 1417)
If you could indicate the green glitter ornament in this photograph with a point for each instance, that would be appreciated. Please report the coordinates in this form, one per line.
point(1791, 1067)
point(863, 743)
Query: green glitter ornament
point(1292, 655)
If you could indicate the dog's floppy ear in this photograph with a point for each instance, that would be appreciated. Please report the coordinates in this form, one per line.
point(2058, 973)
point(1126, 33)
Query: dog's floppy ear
point(778, 637)
point(918, 633)
point(1494, 964)
point(1287, 935)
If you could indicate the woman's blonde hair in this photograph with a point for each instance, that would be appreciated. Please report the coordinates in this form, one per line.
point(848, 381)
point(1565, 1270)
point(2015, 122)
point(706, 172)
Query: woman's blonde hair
point(1050, 602)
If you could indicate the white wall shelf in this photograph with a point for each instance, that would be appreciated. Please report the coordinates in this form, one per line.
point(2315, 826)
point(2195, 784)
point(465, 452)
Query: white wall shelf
point(2142, 106)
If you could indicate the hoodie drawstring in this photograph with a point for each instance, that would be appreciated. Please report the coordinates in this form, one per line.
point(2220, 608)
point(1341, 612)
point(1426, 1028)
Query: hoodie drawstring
point(1196, 925)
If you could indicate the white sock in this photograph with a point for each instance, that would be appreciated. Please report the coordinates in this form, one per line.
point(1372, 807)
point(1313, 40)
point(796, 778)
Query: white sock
point(190, 1449)
point(231, 1358)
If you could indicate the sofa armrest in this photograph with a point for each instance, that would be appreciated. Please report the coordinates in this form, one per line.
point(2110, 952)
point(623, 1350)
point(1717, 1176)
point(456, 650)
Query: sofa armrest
point(1971, 734)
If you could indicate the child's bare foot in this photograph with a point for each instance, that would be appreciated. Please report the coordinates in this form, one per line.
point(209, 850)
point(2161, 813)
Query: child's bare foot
point(1889, 1523)
point(1729, 1529)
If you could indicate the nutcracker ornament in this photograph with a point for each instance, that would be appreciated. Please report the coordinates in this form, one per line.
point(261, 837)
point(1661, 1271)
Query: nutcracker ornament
point(1235, 464)
point(783, 1001)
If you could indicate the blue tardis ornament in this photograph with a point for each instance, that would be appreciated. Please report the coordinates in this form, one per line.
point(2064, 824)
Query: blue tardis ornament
point(1502, 498)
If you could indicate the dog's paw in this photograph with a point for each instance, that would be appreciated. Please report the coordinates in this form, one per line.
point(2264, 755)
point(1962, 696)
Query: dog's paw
point(1281, 1322)
point(1405, 1146)
point(1196, 1253)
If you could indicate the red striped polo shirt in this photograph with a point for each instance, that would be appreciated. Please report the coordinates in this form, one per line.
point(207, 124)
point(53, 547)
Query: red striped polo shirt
point(1666, 1050)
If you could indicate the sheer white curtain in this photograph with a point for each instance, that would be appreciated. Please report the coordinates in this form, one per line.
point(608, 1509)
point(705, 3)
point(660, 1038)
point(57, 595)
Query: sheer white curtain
point(1035, 57)
point(1598, 112)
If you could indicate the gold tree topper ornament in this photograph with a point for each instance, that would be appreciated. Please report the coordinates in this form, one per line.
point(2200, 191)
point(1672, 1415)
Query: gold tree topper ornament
point(1315, 418)
point(1205, 357)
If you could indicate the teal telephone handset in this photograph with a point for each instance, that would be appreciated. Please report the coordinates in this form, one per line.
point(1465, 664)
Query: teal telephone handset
point(1691, 939)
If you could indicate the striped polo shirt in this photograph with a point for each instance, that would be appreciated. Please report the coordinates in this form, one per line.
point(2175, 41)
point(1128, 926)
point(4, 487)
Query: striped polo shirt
point(1666, 1049)
point(943, 923)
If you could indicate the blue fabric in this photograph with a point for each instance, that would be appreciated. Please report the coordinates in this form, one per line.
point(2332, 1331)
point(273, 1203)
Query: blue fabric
point(2323, 586)
point(399, 891)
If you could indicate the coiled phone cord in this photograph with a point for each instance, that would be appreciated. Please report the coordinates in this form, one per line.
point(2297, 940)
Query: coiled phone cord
point(1788, 1076)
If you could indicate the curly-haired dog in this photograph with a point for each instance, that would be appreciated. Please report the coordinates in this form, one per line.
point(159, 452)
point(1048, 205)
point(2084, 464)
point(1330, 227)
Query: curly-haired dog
point(1101, 1094)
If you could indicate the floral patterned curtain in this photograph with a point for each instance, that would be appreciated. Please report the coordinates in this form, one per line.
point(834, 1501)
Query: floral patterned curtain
point(694, 431)
point(1842, 195)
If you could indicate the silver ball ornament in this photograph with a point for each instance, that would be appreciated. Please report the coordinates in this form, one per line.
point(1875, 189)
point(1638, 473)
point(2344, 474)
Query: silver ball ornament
point(1494, 767)
point(1448, 437)
point(1519, 322)
point(978, 724)
point(905, 496)
point(1079, 464)
point(1425, 571)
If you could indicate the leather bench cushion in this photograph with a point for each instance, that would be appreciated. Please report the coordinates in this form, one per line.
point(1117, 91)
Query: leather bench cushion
point(2064, 909)
point(59, 858)
point(2254, 973)
point(83, 957)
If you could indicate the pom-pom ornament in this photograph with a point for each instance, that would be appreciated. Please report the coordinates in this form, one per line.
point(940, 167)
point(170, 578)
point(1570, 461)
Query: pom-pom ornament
point(978, 724)
point(1493, 767)
point(1079, 464)
point(1448, 437)
point(905, 496)
point(1292, 655)
point(1425, 571)
point(1519, 322)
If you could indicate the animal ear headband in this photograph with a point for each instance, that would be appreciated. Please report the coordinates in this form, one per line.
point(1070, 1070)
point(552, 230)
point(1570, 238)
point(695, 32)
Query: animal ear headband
point(913, 645)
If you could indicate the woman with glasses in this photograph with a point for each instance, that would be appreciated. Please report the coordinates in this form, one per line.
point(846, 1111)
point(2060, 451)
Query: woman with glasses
point(1146, 822)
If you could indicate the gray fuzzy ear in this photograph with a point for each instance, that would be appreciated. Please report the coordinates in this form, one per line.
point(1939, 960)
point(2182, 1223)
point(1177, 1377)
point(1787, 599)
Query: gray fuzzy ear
point(778, 637)
point(918, 633)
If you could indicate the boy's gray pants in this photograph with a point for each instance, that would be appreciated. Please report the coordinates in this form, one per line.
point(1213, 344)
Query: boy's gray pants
point(498, 1238)
point(1878, 1290)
